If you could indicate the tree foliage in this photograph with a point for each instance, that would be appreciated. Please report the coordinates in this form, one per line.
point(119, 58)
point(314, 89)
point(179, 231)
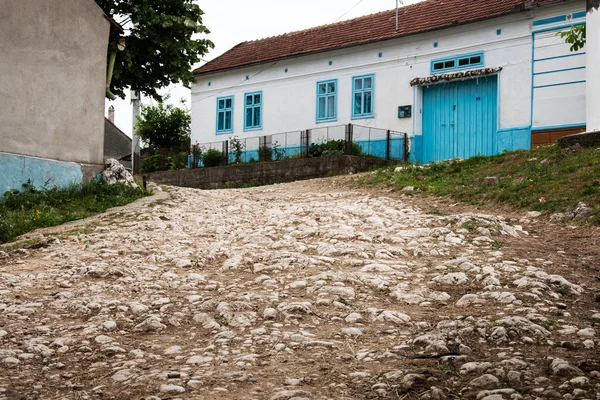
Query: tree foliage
point(576, 35)
point(164, 126)
point(161, 48)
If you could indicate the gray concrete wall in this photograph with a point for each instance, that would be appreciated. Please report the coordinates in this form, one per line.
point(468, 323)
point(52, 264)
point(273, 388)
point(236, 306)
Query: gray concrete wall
point(116, 143)
point(266, 173)
point(52, 79)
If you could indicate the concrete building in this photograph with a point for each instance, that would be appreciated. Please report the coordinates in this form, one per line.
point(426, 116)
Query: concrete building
point(461, 77)
point(593, 78)
point(117, 144)
point(52, 86)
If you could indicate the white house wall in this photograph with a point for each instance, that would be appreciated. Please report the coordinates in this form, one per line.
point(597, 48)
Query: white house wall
point(593, 78)
point(289, 99)
point(559, 88)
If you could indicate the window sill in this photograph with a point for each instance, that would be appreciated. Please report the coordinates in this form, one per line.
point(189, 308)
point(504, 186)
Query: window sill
point(224, 132)
point(321, 121)
point(363, 116)
point(258, 128)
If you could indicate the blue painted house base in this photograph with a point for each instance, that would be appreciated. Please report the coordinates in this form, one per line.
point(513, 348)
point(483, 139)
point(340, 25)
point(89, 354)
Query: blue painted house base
point(15, 170)
point(507, 139)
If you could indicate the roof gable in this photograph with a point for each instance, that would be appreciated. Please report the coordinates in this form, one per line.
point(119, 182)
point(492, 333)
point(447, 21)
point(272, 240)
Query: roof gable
point(421, 17)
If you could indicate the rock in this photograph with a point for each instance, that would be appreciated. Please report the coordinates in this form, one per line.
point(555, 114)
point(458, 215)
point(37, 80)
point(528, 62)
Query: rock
point(408, 189)
point(171, 389)
point(453, 278)
point(409, 381)
point(352, 332)
point(353, 317)
point(173, 350)
point(206, 321)
point(150, 324)
point(468, 300)
point(10, 362)
point(587, 332)
point(491, 181)
point(485, 381)
point(289, 394)
point(199, 360)
point(581, 211)
point(562, 367)
point(270, 313)
point(114, 173)
point(109, 326)
point(122, 375)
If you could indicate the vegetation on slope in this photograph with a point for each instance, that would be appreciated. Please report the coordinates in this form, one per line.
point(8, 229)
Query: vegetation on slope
point(29, 209)
point(546, 179)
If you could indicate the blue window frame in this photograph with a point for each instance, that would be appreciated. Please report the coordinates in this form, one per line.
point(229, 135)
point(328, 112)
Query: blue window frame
point(327, 100)
point(225, 114)
point(463, 61)
point(253, 111)
point(363, 89)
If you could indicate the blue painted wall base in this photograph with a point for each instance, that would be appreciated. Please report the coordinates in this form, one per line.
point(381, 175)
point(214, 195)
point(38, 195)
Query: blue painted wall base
point(15, 170)
point(517, 138)
point(507, 139)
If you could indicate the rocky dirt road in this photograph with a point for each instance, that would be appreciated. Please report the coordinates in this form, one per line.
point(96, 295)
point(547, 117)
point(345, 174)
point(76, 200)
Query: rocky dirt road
point(300, 291)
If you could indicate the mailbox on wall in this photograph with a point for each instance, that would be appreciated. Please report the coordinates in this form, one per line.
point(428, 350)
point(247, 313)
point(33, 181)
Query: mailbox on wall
point(404, 111)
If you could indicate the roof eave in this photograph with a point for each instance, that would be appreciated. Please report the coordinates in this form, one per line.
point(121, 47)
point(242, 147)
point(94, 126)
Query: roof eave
point(520, 9)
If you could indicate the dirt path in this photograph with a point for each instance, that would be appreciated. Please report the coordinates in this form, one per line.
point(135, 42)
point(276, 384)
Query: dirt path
point(305, 290)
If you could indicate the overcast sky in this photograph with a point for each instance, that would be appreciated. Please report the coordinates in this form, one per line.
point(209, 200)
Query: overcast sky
point(235, 21)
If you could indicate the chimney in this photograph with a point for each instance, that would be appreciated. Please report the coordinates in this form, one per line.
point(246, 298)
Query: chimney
point(111, 114)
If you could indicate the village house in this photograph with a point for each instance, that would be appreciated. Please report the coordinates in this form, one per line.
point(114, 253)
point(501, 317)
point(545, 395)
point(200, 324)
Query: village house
point(52, 83)
point(461, 77)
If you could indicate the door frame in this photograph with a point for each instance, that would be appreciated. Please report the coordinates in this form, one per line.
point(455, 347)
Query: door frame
point(418, 121)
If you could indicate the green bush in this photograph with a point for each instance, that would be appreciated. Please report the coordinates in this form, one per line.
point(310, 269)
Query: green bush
point(177, 160)
point(265, 154)
point(333, 148)
point(212, 158)
point(151, 164)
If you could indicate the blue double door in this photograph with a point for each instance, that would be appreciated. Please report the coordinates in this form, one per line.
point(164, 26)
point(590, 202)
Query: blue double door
point(460, 119)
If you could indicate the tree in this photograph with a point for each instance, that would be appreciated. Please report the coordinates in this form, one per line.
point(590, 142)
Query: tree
point(160, 47)
point(164, 125)
point(576, 36)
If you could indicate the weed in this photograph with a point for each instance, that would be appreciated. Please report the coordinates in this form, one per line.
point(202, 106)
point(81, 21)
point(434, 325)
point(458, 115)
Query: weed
point(342, 300)
point(469, 227)
point(429, 265)
point(436, 211)
point(237, 147)
point(497, 245)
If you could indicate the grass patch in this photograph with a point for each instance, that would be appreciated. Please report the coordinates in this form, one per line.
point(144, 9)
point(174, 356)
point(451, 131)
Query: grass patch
point(29, 209)
point(542, 179)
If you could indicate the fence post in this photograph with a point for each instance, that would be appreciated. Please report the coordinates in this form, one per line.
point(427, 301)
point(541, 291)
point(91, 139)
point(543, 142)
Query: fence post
point(307, 143)
point(388, 144)
point(349, 138)
point(405, 147)
point(226, 152)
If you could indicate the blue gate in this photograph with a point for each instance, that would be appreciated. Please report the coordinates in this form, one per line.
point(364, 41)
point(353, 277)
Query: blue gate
point(460, 119)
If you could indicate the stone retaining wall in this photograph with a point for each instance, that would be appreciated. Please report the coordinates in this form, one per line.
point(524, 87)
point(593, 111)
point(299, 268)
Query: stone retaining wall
point(266, 173)
point(586, 139)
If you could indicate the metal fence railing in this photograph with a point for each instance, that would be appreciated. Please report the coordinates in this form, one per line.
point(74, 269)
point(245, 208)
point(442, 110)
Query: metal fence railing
point(347, 139)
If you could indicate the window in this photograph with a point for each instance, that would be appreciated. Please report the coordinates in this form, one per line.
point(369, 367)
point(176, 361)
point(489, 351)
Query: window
point(327, 101)
point(362, 96)
point(252, 111)
point(457, 62)
point(225, 114)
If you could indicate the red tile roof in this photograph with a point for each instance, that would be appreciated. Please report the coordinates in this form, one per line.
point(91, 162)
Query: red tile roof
point(421, 17)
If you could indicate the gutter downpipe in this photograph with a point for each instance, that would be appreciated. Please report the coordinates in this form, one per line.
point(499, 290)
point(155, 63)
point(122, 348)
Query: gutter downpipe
point(116, 46)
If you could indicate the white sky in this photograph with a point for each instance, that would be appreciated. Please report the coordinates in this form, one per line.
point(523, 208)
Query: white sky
point(234, 21)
